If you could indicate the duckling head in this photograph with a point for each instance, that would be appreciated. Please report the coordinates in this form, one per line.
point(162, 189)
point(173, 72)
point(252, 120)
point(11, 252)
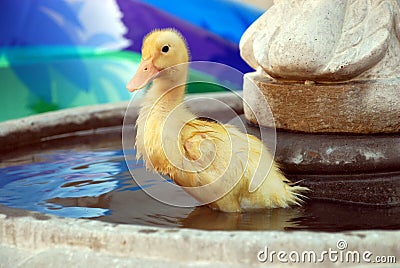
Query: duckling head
point(161, 50)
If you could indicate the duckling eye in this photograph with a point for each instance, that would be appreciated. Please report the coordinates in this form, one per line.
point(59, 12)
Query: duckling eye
point(165, 49)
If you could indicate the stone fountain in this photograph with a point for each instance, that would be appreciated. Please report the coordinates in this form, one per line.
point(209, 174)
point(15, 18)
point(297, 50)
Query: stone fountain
point(330, 72)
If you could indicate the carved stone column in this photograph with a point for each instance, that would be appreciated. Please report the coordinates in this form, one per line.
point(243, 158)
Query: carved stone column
point(326, 66)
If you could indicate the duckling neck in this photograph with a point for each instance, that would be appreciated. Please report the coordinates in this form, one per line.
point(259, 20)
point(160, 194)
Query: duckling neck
point(156, 109)
point(163, 98)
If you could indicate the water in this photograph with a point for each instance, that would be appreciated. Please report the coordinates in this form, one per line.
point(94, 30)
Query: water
point(86, 177)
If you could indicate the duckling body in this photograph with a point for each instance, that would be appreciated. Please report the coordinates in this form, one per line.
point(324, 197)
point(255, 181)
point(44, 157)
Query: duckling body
point(214, 163)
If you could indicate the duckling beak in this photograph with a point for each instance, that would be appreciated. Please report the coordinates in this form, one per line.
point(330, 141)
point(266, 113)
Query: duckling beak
point(145, 72)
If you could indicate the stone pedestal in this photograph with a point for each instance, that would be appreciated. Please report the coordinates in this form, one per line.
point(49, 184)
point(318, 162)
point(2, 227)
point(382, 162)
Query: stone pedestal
point(325, 66)
point(352, 107)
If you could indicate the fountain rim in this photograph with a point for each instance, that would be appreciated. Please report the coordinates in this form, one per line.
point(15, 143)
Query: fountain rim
point(35, 231)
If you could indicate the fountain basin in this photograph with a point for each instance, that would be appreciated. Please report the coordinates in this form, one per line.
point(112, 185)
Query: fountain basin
point(36, 238)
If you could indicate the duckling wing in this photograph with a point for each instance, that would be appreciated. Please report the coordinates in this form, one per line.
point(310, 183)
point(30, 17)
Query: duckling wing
point(201, 140)
point(215, 157)
point(236, 168)
point(221, 152)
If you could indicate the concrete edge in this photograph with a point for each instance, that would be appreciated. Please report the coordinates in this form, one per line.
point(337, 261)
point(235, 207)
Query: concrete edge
point(38, 232)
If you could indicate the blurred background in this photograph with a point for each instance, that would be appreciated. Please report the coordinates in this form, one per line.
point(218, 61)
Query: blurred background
point(69, 53)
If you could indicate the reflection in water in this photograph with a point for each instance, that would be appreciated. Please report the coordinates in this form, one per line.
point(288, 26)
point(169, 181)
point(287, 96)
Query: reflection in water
point(273, 219)
point(65, 175)
point(97, 185)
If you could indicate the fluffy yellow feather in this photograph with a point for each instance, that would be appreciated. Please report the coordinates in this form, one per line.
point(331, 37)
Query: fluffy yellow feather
point(214, 163)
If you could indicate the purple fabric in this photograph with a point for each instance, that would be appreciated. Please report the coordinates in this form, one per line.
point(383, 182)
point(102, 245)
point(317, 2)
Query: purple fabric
point(141, 18)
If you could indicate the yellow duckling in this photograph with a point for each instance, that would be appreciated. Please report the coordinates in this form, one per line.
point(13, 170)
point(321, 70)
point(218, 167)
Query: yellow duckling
point(214, 163)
